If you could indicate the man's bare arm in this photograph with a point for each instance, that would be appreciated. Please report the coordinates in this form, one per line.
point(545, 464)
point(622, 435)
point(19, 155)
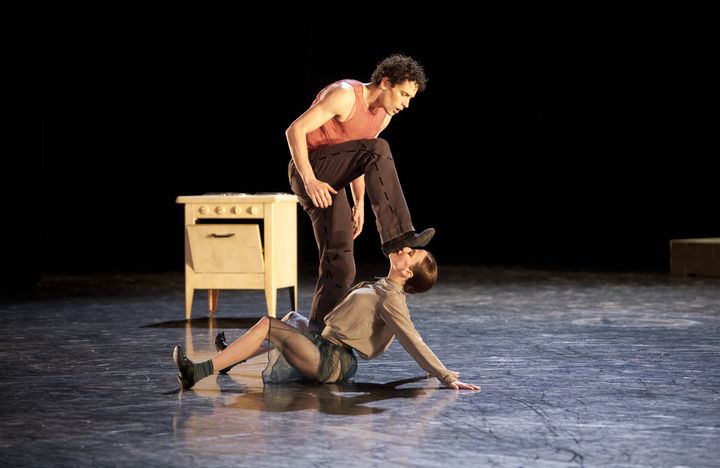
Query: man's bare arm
point(337, 102)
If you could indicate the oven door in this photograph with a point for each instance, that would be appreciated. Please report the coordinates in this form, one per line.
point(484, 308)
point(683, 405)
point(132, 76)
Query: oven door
point(225, 248)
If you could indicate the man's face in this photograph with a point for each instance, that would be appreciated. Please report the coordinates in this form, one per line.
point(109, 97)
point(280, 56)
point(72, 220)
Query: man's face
point(407, 258)
point(398, 96)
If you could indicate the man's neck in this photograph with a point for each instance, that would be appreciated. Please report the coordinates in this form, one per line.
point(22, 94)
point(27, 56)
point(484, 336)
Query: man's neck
point(371, 93)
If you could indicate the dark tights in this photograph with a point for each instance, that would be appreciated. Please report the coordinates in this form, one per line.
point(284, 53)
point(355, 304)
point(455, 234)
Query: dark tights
point(299, 351)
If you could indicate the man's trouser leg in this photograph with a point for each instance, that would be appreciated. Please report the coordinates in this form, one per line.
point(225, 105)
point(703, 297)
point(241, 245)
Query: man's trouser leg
point(334, 235)
point(340, 164)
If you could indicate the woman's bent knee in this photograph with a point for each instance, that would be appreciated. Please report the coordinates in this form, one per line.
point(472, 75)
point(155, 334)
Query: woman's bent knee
point(262, 325)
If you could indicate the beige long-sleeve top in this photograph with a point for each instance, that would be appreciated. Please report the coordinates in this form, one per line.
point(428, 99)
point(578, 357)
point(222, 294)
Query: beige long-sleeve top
point(371, 316)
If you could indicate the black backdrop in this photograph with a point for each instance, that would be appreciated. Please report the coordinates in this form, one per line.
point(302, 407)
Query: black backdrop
point(582, 137)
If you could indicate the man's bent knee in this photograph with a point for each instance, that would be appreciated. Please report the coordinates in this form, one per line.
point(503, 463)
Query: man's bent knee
point(381, 147)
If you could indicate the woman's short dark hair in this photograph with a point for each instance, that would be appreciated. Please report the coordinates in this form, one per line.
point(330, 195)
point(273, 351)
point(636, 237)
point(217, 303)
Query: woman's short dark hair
point(398, 68)
point(424, 276)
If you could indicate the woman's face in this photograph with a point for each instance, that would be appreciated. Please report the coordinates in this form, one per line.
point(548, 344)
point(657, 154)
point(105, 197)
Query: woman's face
point(406, 258)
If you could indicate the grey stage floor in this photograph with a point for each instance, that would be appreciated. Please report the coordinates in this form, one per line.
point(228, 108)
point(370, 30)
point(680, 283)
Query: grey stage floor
point(576, 368)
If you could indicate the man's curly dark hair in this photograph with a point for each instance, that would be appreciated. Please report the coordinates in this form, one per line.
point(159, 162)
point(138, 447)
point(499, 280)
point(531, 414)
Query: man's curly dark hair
point(398, 68)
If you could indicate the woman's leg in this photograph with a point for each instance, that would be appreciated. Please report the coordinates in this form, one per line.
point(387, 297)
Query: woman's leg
point(299, 351)
point(191, 372)
point(293, 319)
point(244, 347)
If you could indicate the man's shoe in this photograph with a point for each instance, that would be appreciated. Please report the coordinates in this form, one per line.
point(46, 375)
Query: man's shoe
point(185, 366)
point(221, 344)
point(409, 239)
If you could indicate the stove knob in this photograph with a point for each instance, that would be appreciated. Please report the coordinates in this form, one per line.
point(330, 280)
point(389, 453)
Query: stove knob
point(219, 210)
point(253, 210)
point(203, 209)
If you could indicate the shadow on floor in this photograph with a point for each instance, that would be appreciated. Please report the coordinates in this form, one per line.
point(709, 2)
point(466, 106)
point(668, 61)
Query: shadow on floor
point(207, 322)
point(347, 399)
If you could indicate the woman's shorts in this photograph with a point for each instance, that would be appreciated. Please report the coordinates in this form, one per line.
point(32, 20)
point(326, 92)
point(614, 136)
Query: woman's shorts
point(337, 364)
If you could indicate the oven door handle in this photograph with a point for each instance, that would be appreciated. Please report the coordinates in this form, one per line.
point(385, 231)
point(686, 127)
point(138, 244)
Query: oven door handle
point(221, 236)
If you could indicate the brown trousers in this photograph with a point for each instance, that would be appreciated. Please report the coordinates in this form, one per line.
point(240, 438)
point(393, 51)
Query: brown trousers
point(338, 165)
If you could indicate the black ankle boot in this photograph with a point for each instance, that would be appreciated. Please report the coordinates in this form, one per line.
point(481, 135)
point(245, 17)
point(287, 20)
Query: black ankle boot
point(185, 366)
point(221, 344)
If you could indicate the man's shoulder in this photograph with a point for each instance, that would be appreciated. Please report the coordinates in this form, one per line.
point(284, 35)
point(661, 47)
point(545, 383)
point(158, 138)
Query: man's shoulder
point(347, 83)
point(338, 90)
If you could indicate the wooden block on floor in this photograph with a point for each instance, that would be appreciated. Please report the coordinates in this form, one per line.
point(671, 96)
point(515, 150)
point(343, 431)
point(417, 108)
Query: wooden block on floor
point(695, 257)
